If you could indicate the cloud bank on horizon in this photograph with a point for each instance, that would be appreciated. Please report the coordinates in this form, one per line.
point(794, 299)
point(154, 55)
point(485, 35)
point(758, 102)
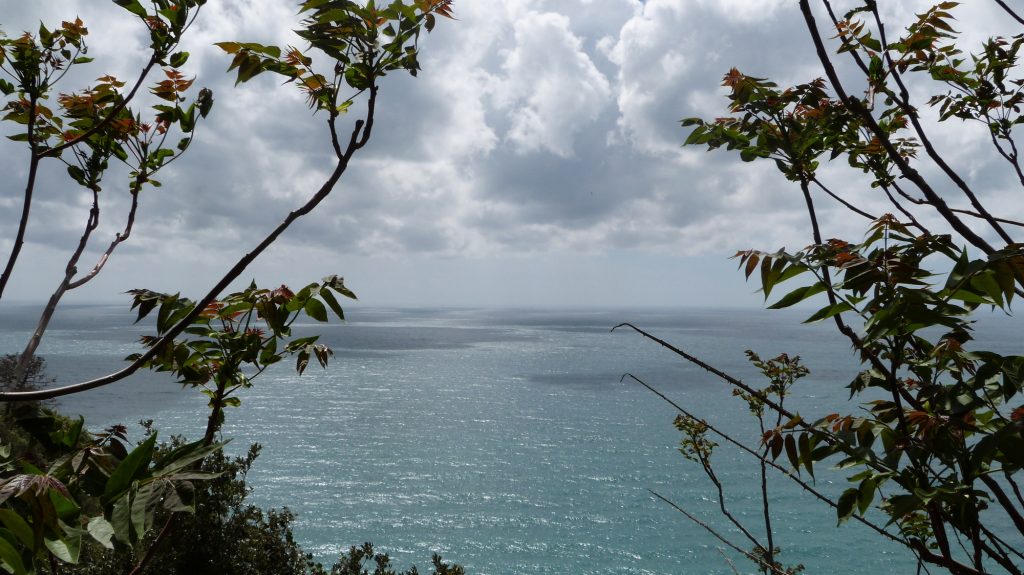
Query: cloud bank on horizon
point(536, 159)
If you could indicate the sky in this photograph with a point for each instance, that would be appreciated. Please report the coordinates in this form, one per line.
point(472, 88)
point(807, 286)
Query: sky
point(535, 161)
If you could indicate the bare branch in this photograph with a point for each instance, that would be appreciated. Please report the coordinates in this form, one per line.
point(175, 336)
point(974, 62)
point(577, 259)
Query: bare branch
point(1009, 11)
point(118, 239)
point(1005, 502)
point(26, 208)
point(709, 529)
point(786, 472)
point(845, 203)
point(69, 272)
point(166, 531)
point(359, 137)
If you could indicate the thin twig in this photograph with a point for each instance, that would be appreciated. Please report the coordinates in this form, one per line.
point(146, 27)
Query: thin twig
point(118, 239)
point(709, 529)
point(164, 532)
point(789, 474)
point(845, 203)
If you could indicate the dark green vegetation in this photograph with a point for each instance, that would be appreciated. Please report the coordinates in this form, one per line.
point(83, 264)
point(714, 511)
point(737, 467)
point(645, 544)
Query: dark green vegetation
point(72, 501)
point(936, 443)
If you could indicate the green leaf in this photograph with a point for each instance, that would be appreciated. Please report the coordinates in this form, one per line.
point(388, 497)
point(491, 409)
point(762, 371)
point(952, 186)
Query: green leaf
point(133, 467)
point(178, 58)
point(829, 311)
point(142, 508)
point(10, 558)
point(132, 6)
point(332, 302)
point(804, 444)
point(229, 47)
point(67, 548)
point(845, 506)
point(102, 531)
point(798, 295)
point(791, 452)
point(64, 507)
point(120, 520)
point(18, 526)
point(866, 494)
point(316, 310)
point(184, 456)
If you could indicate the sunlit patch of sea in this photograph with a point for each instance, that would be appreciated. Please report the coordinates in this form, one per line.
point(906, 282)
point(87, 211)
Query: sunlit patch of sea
point(503, 440)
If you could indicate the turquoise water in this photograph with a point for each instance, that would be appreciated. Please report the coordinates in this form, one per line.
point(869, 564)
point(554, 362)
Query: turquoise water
point(503, 440)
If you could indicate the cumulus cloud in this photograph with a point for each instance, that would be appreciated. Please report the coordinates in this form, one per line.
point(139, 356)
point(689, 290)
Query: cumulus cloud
point(536, 127)
point(550, 90)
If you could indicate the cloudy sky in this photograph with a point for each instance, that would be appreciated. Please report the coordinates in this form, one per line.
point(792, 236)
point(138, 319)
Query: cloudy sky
point(536, 160)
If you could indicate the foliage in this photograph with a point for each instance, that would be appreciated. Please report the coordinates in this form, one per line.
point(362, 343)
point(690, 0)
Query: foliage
point(241, 330)
point(224, 534)
point(62, 488)
point(95, 489)
point(33, 376)
point(356, 560)
point(938, 442)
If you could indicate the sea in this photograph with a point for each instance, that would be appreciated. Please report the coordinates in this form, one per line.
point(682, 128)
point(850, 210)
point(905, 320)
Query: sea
point(508, 440)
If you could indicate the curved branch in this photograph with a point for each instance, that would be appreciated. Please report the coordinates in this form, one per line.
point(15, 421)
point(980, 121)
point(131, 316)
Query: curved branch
point(845, 203)
point(69, 272)
point(118, 238)
point(906, 213)
point(1009, 11)
point(33, 168)
point(360, 135)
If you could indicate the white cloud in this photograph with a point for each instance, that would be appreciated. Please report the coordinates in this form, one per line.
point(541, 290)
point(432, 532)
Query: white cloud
point(550, 89)
point(537, 127)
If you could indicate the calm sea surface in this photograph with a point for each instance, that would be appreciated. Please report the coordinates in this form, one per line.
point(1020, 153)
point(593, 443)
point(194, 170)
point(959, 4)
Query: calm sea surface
point(503, 440)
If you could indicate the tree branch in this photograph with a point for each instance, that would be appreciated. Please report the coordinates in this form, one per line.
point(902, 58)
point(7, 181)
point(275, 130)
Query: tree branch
point(761, 562)
point(69, 272)
point(908, 172)
point(118, 239)
point(903, 101)
point(1009, 11)
point(1004, 501)
point(359, 137)
point(839, 199)
point(787, 473)
point(167, 529)
point(33, 168)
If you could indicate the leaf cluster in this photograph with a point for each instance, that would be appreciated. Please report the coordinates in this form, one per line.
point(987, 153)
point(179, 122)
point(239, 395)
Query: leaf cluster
point(73, 487)
point(364, 41)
